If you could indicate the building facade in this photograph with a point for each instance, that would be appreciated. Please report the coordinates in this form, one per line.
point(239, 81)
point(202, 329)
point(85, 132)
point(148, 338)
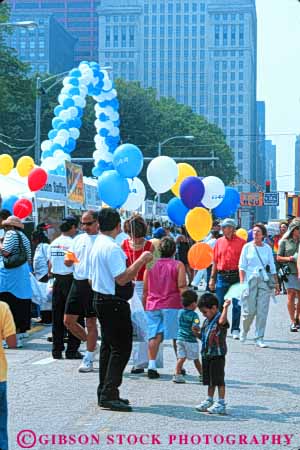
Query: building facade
point(261, 213)
point(201, 52)
point(48, 48)
point(297, 165)
point(271, 174)
point(78, 17)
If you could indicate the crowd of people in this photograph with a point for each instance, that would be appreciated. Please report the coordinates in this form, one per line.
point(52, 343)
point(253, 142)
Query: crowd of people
point(97, 265)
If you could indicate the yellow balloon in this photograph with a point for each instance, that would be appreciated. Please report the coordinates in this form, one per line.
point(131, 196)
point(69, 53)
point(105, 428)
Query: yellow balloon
point(198, 223)
point(25, 166)
point(6, 164)
point(184, 170)
point(242, 233)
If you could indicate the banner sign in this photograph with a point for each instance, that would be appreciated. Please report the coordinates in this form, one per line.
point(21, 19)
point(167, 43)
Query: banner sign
point(74, 177)
point(91, 197)
point(54, 189)
point(252, 199)
point(271, 198)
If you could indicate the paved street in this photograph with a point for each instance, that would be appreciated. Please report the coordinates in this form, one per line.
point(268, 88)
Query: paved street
point(263, 395)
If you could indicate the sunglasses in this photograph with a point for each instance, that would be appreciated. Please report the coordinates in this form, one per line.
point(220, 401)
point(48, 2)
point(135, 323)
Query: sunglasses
point(88, 224)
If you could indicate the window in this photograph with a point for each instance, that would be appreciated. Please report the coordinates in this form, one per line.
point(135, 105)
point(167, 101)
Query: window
point(116, 37)
point(232, 76)
point(131, 36)
point(224, 99)
point(241, 110)
point(232, 65)
point(224, 110)
point(241, 65)
point(194, 20)
point(241, 87)
point(224, 88)
point(232, 122)
point(123, 36)
point(240, 121)
point(32, 44)
point(241, 76)
point(232, 109)
point(232, 99)
point(107, 36)
point(116, 19)
point(240, 144)
point(241, 98)
point(124, 18)
point(186, 20)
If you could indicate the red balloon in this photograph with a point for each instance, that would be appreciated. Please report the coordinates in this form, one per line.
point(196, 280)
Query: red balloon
point(22, 208)
point(37, 179)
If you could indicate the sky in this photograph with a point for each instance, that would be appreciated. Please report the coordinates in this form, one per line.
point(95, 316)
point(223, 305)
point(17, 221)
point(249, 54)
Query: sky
point(278, 82)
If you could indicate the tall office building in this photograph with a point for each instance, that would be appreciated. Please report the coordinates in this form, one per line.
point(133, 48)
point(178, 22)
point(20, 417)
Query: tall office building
point(77, 16)
point(48, 48)
point(201, 52)
point(261, 212)
point(297, 165)
point(271, 173)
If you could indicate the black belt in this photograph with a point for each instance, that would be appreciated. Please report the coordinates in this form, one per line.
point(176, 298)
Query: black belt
point(62, 277)
point(228, 272)
point(107, 297)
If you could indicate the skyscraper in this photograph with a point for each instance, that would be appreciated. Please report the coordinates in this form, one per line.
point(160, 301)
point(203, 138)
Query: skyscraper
point(77, 16)
point(271, 173)
point(261, 212)
point(48, 48)
point(203, 53)
point(297, 165)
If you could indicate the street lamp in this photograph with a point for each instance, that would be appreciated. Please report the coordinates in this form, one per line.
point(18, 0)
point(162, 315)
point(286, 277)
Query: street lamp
point(160, 144)
point(29, 24)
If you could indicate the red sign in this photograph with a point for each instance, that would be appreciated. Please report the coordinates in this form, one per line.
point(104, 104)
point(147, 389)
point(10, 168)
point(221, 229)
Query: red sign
point(252, 199)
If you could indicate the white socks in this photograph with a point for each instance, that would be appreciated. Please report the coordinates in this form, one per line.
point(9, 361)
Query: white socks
point(152, 364)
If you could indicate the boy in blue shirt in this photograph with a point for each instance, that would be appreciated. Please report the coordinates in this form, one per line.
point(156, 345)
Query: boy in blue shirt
point(187, 345)
point(213, 336)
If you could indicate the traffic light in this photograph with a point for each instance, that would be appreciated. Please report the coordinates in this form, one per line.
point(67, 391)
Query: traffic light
point(268, 185)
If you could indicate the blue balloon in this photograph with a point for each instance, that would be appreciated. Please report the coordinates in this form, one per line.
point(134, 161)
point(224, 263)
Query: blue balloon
point(128, 160)
point(103, 117)
point(77, 123)
point(113, 189)
point(80, 111)
point(68, 102)
point(55, 147)
point(8, 202)
point(103, 132)
point(56, 122)
point(74, 81)
point(71, 144)
point(74, 91)
point(46, 153)
point(52, 134)
point(191, 191)
point(229, 205)
point(62, 126)
point(75, 73)
point(177, 211)
point(57, 110)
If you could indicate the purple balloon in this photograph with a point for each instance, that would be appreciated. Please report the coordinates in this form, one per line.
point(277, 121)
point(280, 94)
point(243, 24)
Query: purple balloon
point(191, 192)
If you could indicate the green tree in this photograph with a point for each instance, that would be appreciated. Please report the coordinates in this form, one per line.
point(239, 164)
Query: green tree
point(16, 93)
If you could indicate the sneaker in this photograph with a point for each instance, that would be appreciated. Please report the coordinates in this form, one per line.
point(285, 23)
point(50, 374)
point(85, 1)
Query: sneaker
point(204, 405)
point(74, 355)
point(293, 328)
point(217, 408)
point(178, 379)
point(153, 374)
point(24, 335)
point(243, 337)
point(183, 372)
point(136, 370)
point(86, 366)
point(115, 405)
point(57, 354)
point(19, 342)
point(235, 334)
point(260, 343)
point(201, 378)
point(4, 345)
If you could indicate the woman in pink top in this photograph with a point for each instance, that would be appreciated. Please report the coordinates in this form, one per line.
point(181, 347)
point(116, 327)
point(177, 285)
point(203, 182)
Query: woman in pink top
point(163, 284)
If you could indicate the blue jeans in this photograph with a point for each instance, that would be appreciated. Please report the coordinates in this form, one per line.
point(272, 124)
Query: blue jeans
point(3, 416)
point(222, 287)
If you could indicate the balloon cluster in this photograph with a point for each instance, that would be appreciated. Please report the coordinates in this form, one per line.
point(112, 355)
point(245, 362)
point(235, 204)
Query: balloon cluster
point(87, 79)
point(36, 179)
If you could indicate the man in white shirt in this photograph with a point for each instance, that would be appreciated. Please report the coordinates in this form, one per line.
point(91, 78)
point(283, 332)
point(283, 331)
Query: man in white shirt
point(63, 280)
point(80, 299)
point(109, 279)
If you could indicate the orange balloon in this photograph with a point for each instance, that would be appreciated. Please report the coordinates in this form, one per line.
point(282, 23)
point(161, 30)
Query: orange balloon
point(200, 256)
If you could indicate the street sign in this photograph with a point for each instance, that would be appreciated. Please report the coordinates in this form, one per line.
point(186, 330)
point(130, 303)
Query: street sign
point(252, 199)
point(271, 199)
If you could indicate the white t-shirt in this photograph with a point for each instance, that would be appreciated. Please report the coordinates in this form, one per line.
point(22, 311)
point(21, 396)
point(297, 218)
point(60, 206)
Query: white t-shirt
point(82, 247)
point(56, 255)
point(40, 260)
point(250, 262)
point(106, 263)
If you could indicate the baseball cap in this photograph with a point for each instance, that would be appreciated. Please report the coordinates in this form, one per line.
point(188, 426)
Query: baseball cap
point(228, 223)
point(72, 220)
point(44, 226)
point(159, 233)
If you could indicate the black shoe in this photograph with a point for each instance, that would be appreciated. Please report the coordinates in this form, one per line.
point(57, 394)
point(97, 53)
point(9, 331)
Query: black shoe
point(122, 400)
point(115, 405)
point(134, 370)
point(57, 355)
point(153, 374)
point(50, 339)
point(293, 328)
point(74, 355)
point(183, 372)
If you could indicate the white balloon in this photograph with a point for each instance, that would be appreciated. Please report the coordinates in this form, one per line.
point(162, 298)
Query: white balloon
point(46, 145)
point(83, 91)
point(74, 133)
point(79, 101)
point(107, 85)
point(136, 196)
point(62, 98)
point(59, 155)
point(50, 163)
point(59, 140)
point(115, 132)
point(162, 173)
point(73, 111)
point(65, 90)
point(83, 67)
point(66, 81)
point(214, 192)
point(64, 133)
point(115, 116)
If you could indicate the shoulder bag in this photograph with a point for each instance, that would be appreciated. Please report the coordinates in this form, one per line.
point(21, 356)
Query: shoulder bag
point(17, 259)
point(270, 282)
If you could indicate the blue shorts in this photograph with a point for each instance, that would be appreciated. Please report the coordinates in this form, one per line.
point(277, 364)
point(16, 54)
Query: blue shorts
point(164, 321)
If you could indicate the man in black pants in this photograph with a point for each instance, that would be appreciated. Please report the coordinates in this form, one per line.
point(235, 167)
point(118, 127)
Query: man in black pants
point(63, 280)
point(109, 277)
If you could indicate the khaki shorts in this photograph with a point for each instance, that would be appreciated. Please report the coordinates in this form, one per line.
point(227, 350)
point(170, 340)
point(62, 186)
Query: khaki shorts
point(189, 350)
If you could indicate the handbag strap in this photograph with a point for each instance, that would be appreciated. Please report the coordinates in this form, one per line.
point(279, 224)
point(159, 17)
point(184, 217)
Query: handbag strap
point(261, 261)
point(22, 248)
